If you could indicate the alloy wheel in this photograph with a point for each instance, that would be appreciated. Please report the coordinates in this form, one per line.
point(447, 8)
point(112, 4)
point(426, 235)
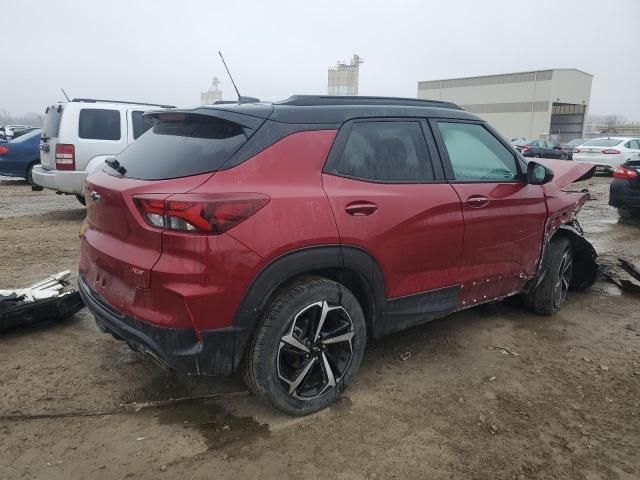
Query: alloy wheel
point(316, 351)
point(564, 278)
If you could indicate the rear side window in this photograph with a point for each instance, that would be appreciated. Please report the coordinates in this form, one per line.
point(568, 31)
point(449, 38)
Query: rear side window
point(139, 124)
point(99, 124)
point(475, 154)
point(386, 152)
point(182, 145)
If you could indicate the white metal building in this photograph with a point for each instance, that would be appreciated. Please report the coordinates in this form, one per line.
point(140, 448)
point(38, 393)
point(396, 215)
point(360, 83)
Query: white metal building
point(538, 104)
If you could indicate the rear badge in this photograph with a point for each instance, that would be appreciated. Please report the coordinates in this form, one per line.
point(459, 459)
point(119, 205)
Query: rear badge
point(95, 196)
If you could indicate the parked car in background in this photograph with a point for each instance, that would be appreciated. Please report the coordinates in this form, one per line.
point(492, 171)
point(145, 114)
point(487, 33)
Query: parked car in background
point(607, 153)
point(78, 132)
point(624, 191)
point(19, 156)
point(14, 131)
point(568, 147)
point(539, 149)
point(275, 239)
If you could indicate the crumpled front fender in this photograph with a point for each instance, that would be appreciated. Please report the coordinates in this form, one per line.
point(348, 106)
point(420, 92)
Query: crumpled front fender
point(585, 266)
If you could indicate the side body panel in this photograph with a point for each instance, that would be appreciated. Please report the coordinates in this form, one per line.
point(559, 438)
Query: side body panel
point(415, 234)
point(502, 239)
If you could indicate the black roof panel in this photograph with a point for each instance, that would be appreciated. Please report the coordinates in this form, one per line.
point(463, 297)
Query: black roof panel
point(334, 110)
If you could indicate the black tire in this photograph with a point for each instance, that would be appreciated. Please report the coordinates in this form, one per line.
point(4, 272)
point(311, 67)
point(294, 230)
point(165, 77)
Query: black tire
point(294, 380)
point(29, 176)
point(548, 297)
point(628, 212)
point(81, 200)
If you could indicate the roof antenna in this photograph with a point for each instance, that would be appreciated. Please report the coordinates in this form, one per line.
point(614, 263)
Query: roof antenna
point(241, 99)
point(65, 94)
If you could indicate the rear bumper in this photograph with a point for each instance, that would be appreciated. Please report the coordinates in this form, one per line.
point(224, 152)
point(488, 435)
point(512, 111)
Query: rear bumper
point(213, 352)
point(71, 181)
point(622, 195)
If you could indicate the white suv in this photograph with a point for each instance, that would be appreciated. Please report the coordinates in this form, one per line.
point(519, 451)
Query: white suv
point(77, 135)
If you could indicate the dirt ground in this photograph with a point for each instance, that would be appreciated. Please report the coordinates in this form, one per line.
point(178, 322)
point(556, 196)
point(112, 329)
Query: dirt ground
point(564, 405)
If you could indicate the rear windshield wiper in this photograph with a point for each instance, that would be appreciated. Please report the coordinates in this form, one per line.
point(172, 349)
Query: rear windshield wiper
point(115, 164)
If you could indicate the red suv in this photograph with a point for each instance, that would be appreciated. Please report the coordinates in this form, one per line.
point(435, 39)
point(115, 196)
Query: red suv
point(276, 238)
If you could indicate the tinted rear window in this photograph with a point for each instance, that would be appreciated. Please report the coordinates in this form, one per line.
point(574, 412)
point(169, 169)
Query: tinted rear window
point(183, 146)
point(99, 124)
point(139, 124)
point(602, 142)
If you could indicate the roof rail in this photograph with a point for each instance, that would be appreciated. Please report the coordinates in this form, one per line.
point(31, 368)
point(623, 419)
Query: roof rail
point(97, 100)
point(318, 100)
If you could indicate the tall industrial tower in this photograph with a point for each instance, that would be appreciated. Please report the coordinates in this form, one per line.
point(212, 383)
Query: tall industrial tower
point(212, 95)
point(343, 78)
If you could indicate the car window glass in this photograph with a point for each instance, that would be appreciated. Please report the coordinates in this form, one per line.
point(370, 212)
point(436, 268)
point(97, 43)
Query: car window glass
point(386, 152)
point(637, 144)
point(602, 142)
point(99, 124)
point(475, 154)
point(139, 124)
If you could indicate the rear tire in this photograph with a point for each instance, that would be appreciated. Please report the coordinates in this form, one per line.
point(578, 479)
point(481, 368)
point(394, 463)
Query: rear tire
point(549, 296)
point(81, 200)
point(307, 348)
point(628, 212)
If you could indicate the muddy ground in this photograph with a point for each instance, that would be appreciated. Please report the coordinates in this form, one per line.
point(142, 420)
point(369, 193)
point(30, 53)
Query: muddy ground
point(567, 406)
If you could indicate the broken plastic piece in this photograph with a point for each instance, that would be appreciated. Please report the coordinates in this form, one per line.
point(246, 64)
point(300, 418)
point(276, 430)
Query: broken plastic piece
point(46, 300)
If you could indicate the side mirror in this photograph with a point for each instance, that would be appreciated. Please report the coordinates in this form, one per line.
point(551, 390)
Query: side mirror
point(538, 174)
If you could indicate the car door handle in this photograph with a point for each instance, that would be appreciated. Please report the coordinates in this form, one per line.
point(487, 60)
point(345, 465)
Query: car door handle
point(360, 209)
point(477, 201)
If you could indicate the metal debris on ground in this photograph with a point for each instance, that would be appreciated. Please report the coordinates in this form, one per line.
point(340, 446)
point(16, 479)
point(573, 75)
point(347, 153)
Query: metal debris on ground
point(505, 351)
point(46, 300)
point(624, 284)
point(405, 356)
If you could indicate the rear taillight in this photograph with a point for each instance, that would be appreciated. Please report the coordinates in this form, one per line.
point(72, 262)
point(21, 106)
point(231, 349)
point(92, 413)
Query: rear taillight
point(610, 151)
point(200, 213)
point(65, 156)
point(624, 172)
point(4, 150)
point(576, 150)
point(524, 149)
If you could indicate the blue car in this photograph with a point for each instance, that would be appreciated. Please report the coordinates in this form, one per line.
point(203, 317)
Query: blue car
point(18, 156)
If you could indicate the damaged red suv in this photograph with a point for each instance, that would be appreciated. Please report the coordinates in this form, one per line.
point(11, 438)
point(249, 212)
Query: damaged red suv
point(276, 238)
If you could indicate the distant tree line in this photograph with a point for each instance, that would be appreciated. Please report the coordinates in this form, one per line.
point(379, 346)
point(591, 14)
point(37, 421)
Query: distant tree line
point(31, 118)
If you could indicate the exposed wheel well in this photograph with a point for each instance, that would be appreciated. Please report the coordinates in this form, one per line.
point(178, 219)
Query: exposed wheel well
point(350, 279)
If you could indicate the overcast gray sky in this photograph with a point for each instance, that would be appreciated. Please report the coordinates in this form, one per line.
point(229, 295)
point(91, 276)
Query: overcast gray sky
point(165, 51)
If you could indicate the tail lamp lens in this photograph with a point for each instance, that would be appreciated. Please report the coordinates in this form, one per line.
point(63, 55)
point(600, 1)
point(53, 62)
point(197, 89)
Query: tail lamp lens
point(625, 173)
point(65, 156)
point(200, 213)
point(610, 151)
point(4, 150)
point(576, 150)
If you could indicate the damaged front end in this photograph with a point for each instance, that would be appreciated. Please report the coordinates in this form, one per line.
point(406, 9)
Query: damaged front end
point(46, 300)
point(563, 208)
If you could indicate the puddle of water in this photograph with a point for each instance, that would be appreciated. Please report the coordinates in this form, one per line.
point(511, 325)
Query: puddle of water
point(218, 427)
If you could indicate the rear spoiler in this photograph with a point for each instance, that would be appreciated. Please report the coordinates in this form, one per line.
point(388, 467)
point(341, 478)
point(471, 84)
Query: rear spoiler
point(247, 121)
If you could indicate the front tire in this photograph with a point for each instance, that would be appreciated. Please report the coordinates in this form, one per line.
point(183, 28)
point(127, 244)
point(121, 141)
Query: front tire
point(29, 176)
point(307, 348)
point(549, 296)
